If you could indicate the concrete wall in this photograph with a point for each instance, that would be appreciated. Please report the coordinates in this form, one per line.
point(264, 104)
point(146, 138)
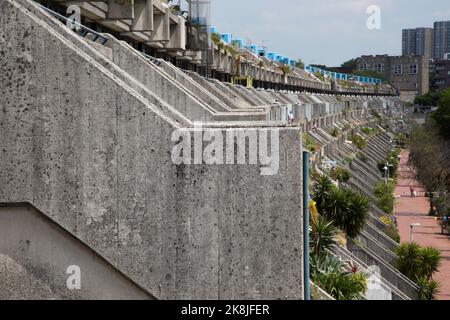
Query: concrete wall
point(94, 157)
point(37, 254)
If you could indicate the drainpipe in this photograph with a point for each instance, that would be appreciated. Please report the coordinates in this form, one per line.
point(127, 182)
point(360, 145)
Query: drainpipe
point(306, 282)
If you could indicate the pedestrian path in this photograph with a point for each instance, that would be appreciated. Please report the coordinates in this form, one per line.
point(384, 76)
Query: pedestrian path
point(415, 211)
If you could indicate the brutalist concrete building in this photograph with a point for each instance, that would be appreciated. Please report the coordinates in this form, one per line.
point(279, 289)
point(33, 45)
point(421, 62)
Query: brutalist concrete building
point(408, 74)
point(93, 204)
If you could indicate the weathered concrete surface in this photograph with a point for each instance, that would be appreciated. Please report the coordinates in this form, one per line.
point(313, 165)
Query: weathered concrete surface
point(36, 256)
point(94, 156)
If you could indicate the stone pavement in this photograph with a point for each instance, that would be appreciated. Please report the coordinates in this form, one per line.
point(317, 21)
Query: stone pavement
point(415, 210)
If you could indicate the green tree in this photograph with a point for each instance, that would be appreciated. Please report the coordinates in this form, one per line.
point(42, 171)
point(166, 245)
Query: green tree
point(442, 115)
point(300, 64)
point(349, 64)
point(320, 66)
point(429, 99)
point(430, 157)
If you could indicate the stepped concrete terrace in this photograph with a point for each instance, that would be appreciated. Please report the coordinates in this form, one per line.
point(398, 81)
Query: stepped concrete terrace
point(372, 246)
point(231, 101)
point(88, 149)
point(93, 155)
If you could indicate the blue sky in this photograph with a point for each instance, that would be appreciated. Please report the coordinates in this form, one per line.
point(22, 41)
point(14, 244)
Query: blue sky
point(325, 31)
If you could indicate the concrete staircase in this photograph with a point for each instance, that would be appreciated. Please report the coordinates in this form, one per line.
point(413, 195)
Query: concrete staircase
point(88, 143)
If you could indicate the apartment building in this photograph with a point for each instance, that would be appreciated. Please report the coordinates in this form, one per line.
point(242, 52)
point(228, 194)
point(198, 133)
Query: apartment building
point(418, 42)
point(408, 74)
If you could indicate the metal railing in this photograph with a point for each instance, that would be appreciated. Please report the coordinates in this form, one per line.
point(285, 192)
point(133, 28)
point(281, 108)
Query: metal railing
point(81, 30)
point(154, 60)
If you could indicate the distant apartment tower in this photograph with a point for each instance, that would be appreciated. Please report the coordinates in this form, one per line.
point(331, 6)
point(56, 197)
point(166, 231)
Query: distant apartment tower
point(409, 74)
point(441, 39)
point(417, 42)
point(441, 79)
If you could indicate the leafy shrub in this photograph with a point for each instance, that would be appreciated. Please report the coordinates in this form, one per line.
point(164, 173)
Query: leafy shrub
point(335, 132)
point(391, 229)
point(308, 143)
point(359, 141)
point(328, 273)
point(400, 140)
point(340, 174)
point(363, 158)
point(369, 131)
point(392, 160)
point(384, 194)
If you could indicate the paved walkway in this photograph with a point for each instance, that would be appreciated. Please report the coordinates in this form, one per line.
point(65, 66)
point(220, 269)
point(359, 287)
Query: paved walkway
point(415, 210)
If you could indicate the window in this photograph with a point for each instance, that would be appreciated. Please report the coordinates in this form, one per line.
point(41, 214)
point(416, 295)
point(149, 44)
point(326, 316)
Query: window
point(398, 69)
point(362, 67)
point(379, 67)
point(413, 69)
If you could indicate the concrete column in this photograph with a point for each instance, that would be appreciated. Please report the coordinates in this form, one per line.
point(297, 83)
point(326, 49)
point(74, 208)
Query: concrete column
point(161, 27)
point(143, 16)
point(178, 34)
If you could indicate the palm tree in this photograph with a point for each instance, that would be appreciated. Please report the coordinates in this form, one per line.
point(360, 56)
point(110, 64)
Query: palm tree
point(359, 208)
point(419, 264)
point(408, 257)
point(322, 236)
point(429, 261)
point(348, 210)
point(321, 192)
point(416, 262)
point(428, 289)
